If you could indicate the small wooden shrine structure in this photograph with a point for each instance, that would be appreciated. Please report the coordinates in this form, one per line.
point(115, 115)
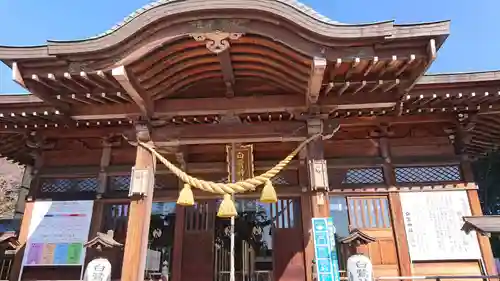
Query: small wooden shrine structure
point(194, 77)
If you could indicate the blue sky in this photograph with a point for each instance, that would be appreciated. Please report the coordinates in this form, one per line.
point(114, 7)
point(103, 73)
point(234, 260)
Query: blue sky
point(474, 43)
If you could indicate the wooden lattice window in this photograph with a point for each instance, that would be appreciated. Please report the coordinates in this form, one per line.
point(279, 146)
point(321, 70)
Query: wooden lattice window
point(122, 182)
point(199, 217)
point(429, 174)
point(119, 183)
point(369, 212)
point(6, 264)
point(116, 219)
point(286, 213)
point(59, 185)
point(364, 176)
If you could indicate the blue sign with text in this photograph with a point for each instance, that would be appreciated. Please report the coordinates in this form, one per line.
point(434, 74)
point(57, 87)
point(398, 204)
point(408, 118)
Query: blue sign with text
point(325, 251)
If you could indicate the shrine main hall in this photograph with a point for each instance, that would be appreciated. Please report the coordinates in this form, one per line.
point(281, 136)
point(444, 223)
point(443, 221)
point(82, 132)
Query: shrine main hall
point(197, 140)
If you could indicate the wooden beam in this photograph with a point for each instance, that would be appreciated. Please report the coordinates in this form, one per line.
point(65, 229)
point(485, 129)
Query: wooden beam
point(200, 106)
point(318, 68)
point(128, 81)
point(236, 105)
point(227, 72)
point(226, 133)
point(256, 130)
point(38, 90)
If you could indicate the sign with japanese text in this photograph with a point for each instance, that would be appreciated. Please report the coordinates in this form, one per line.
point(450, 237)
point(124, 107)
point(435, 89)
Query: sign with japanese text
point(433, 223)
point(324, 249)
point(244, 162)
point(359, 268)
point(98, 270)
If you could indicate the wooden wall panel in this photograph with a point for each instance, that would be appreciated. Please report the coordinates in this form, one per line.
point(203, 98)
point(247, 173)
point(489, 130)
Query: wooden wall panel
point(72, 158)
point(198, 242)
point(351, 148)
point(421, 146)
point(289, 254)
point(122, 156)
point(382, 252)
point(288, 241)
point(371, 215)
point(451, 268)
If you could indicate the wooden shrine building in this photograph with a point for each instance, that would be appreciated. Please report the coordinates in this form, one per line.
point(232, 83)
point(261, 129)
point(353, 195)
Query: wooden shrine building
point(199, 81)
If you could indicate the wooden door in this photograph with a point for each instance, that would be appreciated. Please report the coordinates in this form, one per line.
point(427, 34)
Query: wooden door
point(288, 243)
point(198, 242)
point(371, 214)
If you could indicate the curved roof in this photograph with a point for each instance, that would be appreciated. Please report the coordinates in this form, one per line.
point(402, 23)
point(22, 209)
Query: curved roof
point(161, 14)
point(295, 4)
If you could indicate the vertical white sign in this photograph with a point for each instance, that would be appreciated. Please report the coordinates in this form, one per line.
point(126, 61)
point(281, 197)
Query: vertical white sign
point(433, 222)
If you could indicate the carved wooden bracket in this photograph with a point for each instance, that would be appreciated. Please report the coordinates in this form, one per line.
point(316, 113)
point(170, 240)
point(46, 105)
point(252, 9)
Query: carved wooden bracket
point(216, 41)
point(318, 68)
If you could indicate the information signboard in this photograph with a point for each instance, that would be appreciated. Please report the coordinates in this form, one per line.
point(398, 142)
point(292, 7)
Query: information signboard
point(433, 223)
point(324, 249)
point(57, 232)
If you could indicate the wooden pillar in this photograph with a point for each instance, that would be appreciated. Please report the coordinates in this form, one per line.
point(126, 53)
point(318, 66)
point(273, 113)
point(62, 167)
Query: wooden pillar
point(97, 213)
point(180, 213)
point(475, 207)
point(315, 152)
point(306, 215)
point(25, 223)
point(134, 257)
point(23, 238)
point(403, 252)
point(314, 203)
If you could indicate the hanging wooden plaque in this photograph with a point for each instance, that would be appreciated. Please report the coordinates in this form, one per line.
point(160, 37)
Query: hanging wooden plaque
point(244, 162)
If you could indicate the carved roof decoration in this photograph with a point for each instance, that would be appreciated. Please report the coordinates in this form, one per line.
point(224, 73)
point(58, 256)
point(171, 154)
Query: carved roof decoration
point(357, 237)
point(8, 240)
point(103, 240)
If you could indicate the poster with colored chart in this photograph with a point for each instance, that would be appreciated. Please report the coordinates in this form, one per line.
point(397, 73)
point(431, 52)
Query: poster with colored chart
point(57, 232)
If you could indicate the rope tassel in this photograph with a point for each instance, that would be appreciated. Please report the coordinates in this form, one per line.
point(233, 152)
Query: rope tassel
point(186, 196)
point(268, 194)
point(227, 209)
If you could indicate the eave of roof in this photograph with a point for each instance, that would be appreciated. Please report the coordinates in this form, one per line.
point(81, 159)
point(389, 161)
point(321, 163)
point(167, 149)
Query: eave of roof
point(289, 10)
point(485, 225)
point(459, 77)
point(426, 80)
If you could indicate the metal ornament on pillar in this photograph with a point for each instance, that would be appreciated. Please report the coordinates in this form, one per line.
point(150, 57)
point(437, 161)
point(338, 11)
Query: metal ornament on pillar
point(318, 175)
point(140, 181)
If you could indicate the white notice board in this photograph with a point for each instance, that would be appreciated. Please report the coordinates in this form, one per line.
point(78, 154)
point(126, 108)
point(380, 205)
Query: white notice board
point(57, 232)
point(433, 222)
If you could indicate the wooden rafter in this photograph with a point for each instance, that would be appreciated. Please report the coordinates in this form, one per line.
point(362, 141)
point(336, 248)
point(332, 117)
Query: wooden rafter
point(431, 56)
point(131, 85)
point(37, 90)
point(318, 68)
point(227, 72)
